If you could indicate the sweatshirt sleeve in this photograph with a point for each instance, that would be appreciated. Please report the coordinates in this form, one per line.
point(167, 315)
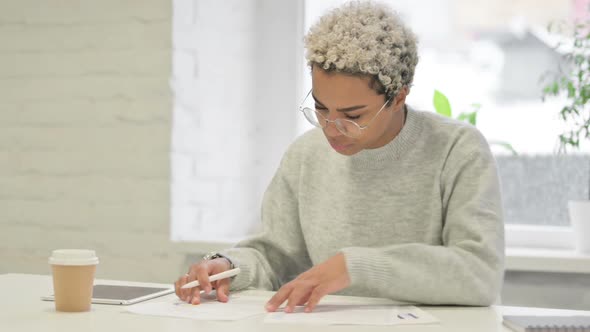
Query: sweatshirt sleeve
point(468, 268)
point(278, 254)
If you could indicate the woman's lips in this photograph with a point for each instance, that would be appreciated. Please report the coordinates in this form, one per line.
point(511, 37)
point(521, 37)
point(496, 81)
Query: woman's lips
point(339, 146)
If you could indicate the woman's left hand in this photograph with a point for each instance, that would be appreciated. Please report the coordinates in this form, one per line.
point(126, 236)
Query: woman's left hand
point(310, 286)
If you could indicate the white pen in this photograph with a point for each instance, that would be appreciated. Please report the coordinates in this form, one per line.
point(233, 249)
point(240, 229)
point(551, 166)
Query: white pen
point(215, 277)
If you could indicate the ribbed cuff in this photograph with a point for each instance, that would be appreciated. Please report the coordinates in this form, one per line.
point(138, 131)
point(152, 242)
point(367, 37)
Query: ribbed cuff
point(244, 278)
point(366, 269)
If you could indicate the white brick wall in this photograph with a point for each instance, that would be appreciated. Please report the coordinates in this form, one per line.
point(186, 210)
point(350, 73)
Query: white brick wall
point(85, 116)
point(236, 84)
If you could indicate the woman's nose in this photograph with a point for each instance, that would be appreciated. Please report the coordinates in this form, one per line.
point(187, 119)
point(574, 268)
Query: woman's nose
point(331, 130)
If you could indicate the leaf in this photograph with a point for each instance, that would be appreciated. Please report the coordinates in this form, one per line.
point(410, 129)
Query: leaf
point(546, 90)
point(554, 89)
point(473, 118)
point(441, 104)
point(470, 117)
point(585, 93)
point(571, 90)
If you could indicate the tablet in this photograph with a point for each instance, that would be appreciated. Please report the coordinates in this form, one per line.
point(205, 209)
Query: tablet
point(125, 295)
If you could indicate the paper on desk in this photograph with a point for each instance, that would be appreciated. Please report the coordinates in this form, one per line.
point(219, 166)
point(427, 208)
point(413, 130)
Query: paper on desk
point(238, 307)
point(347, 314)
point(243, 306)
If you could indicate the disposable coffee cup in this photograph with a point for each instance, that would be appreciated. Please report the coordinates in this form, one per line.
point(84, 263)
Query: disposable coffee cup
point(73, 278)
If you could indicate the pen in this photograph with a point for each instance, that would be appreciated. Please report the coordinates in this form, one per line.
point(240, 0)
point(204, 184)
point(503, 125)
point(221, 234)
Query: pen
point(215, 277)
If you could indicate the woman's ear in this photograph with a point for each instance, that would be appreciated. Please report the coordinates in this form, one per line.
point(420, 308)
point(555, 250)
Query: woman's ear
point(400, 99)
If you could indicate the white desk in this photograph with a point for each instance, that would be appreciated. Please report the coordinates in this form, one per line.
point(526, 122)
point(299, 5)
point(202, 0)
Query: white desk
point(22, 310)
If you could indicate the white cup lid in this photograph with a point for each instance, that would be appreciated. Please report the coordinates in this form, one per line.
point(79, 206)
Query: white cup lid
point(73, 257)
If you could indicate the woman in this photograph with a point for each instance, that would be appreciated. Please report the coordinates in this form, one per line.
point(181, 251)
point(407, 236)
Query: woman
point(381, 200)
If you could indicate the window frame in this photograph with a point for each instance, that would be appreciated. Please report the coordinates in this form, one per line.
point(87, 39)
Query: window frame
point(539, 236)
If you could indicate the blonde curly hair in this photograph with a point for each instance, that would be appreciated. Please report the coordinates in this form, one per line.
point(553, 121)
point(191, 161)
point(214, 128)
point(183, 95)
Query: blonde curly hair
point(364, 38)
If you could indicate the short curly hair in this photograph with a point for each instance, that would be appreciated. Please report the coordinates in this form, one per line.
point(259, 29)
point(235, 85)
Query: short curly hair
point(365, 38)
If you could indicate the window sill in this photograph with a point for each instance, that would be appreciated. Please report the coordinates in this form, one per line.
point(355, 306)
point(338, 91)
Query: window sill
point(546, 260)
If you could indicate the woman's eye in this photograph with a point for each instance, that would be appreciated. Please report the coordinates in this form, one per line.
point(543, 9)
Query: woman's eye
point(350, 117)
point(322, 110)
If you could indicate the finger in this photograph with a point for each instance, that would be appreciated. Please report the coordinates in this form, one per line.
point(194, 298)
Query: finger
point(304, 299)
point(299, 292)
point(222, 290)
point(184, 293)
point(281, 296)
point(314, 298)
point(203, 277)
point(192, 295)
point(195, 296)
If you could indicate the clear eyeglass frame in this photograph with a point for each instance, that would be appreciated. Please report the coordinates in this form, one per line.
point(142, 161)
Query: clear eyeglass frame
point(345, 126)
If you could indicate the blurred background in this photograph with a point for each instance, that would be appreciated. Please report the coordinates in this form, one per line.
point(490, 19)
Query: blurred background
point(148, 130)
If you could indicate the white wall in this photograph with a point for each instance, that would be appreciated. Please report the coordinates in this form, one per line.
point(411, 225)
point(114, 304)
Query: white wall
point(236, 92)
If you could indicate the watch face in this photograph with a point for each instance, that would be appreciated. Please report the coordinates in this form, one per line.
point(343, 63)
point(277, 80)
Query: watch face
point(212, 255)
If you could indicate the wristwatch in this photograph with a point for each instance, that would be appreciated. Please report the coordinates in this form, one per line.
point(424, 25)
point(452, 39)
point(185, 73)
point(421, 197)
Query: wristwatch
point(214, 255)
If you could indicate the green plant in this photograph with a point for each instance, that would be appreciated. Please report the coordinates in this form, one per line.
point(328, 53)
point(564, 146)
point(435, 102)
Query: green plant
point(574, 82)
point(443, 107)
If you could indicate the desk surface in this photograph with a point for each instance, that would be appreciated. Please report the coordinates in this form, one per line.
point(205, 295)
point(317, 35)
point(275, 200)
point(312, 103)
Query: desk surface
point(22, 310)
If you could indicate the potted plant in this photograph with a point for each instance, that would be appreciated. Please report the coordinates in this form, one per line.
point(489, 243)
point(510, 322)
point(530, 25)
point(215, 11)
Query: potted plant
point(573, 81)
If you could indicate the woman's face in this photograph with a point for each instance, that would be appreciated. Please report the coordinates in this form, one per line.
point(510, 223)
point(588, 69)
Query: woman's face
point(341, 96)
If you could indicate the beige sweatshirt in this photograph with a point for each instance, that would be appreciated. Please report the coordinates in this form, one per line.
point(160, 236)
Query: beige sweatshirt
point(419, 219)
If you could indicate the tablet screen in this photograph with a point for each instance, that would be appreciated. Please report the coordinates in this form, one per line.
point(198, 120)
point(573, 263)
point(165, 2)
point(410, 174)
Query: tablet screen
point(122, 294)
point(126, 293)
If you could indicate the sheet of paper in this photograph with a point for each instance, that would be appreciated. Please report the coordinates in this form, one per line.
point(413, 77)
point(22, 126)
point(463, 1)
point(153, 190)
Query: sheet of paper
point(238, 307)
point(355, 314)
point(241, 306)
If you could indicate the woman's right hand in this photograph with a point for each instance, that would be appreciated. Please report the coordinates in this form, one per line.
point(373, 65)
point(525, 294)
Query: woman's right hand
point(201, 271)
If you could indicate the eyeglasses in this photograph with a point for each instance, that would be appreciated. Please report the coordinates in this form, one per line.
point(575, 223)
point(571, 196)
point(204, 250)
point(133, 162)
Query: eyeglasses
point(345, 126)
